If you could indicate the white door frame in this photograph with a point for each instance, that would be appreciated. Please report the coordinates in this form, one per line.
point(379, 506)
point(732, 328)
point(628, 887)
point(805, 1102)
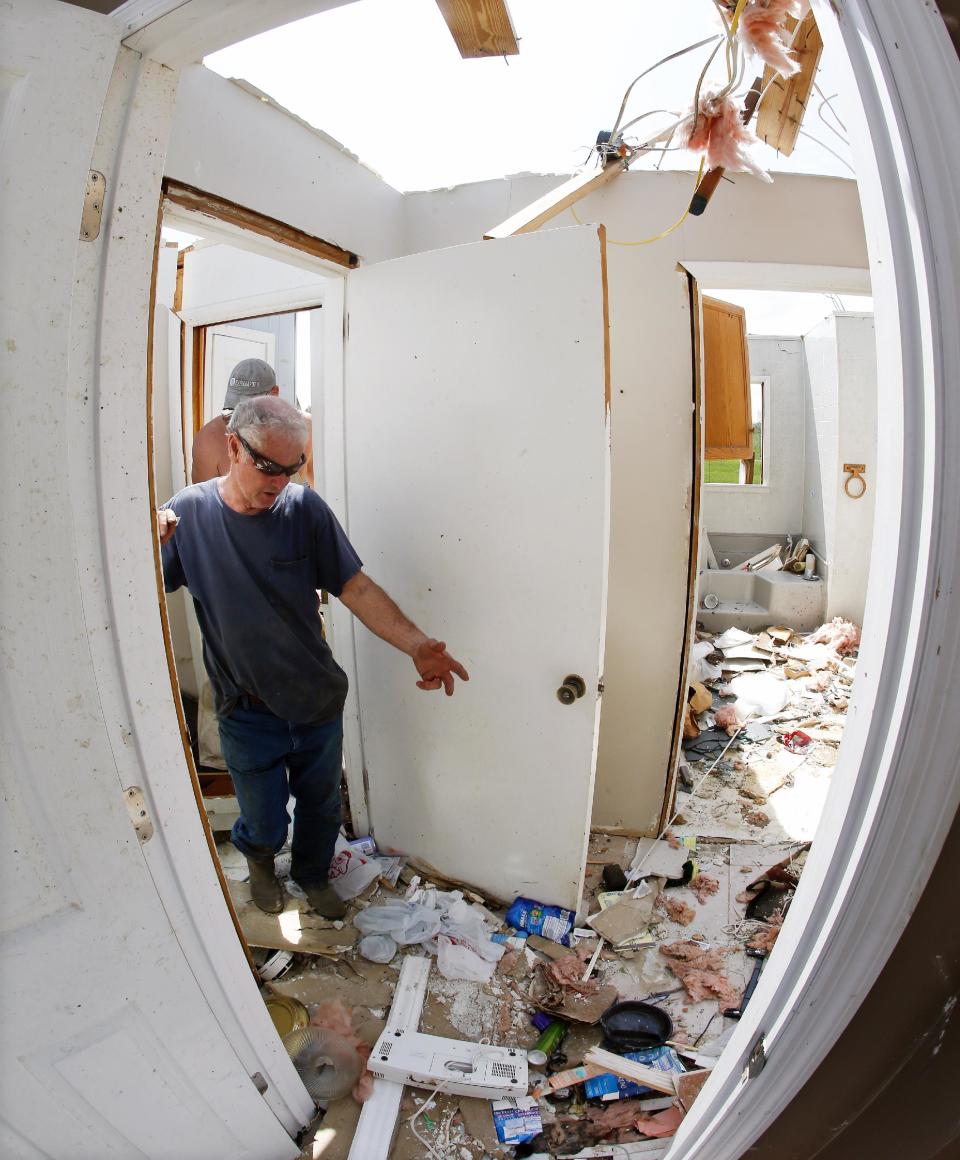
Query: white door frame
point(898, 783)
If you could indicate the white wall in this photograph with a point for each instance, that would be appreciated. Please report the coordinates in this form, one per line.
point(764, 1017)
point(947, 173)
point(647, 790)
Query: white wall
point(841, 427)
point(857, 357)
point(776, 505)
point(652, 413)
point(227, 141)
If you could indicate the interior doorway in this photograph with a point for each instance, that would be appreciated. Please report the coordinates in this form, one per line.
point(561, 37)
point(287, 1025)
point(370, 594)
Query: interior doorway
point(226, 292)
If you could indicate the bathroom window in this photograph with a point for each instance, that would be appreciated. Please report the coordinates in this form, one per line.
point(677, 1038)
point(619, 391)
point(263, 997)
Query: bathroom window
point(745, 472)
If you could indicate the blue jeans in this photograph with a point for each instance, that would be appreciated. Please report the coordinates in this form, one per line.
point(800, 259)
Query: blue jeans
point(271, 760)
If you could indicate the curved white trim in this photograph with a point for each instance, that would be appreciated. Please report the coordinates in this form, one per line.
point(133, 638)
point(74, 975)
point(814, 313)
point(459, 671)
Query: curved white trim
point(780, 276)
point(897, 783)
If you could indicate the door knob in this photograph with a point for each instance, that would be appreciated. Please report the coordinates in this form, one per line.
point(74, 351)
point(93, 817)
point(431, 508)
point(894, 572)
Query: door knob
point(572, 689)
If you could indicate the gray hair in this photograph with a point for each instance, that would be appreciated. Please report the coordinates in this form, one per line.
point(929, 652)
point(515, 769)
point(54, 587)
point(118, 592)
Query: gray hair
point(265, 412)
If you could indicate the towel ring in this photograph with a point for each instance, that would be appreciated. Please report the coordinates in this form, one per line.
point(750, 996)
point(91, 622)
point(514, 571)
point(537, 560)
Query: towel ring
point(855, 475)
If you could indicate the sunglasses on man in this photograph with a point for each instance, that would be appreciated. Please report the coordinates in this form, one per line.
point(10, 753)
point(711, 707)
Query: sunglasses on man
point(268, 466)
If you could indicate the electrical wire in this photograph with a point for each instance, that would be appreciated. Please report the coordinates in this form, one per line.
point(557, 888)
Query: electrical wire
point(646, 72)
point(446, 1144)
point(833, 128)
point(649, 113)
point(827, 101)
point(824, 145)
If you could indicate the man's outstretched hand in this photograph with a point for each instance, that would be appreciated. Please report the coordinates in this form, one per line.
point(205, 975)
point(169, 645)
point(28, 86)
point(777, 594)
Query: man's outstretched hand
point(167, 521)
point(437, 667)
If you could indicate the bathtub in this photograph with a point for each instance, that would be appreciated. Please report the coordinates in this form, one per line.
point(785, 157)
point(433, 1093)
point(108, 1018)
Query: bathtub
point(755, 600)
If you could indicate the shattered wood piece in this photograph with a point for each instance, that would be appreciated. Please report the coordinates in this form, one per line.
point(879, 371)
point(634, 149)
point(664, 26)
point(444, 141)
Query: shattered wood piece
point(690, 1084)
point(780, 633)
point(294, 929)
point(651, 1077)
point(675, 909)
point(782, 111)
point(569, 1078)
point(547, 946)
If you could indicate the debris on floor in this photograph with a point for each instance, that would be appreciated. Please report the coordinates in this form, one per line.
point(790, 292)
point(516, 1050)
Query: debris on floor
point(620, 1011)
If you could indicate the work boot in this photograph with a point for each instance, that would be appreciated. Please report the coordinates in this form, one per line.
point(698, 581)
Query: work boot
point(325, 901)
point(265, 888)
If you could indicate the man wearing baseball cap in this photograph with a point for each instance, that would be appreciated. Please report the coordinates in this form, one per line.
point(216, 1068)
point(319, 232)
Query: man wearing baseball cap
point(248, 379)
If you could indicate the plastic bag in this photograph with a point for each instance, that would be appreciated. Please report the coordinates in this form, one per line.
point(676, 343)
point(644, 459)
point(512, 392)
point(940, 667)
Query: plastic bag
point(378, 948)
point(759, 695)
point(351, 871)
point(456, 961)
point(405, 922)
point(700, 670)
point(465, 926)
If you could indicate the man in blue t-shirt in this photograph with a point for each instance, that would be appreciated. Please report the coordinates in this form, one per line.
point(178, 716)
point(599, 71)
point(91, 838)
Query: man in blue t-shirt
point(253, 549)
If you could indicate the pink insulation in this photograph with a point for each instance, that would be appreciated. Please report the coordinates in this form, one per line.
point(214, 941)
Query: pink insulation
point(726, 718)
point(762, 30)
point(843, 636)
point(333, 1016)
point(718, 132)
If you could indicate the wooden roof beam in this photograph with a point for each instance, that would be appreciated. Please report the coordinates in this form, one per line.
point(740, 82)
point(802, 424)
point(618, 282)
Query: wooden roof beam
point(480, 27)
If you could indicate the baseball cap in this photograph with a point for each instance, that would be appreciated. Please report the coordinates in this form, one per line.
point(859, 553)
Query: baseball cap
point(249, 378)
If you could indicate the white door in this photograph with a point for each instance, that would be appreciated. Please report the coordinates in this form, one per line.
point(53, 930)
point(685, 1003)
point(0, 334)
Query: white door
point(109, 1047)
point(477, 450)
point(226, 346)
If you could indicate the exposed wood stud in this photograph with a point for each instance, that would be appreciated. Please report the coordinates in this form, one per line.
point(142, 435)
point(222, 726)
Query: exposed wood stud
point(555, 202)
point(480, 27)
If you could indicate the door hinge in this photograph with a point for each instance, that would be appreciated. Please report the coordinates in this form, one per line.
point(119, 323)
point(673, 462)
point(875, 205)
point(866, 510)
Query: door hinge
point(93, 206)
point(137, 806)
point(757, 1060)
point(259, 1082)
point(346, 326)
